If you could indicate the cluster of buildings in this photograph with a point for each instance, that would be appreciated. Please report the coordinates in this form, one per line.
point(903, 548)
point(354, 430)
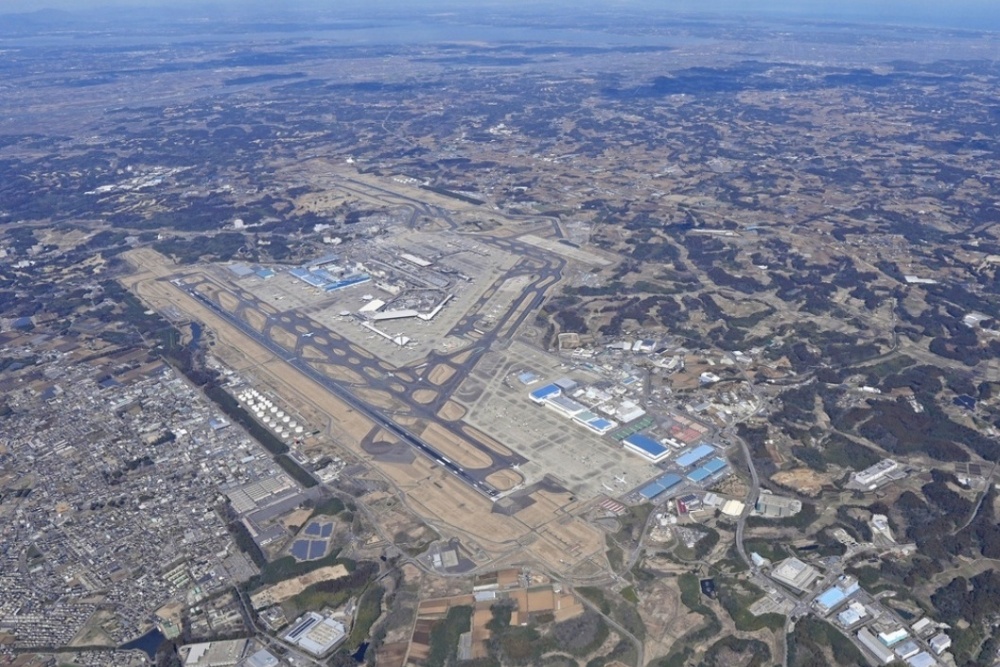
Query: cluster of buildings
point(604, 411)
point(557, 396)
point(134, 459)
point(920, 645)
point(227, 653)
point(882, 634)
point(325, 273)
point(284, 425)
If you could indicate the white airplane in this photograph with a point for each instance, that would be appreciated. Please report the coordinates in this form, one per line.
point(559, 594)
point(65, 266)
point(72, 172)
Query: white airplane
point(308, 334)
point(621, 479)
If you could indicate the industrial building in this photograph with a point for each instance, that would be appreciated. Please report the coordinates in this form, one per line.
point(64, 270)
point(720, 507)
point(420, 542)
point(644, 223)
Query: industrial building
point(262, 658)
point(922, 659)
point(544, 393)
point(659, 485)
point(693, 456)
point(713, 467)
point(924, 627)
point(776, 507)
point(316, 634)
point(940, 643)
point(854, 613)
point(567, 407)
point(893, 637)
point(832, 598)
point(594, 423)
point(413, 259)
point(213, 654)
point(646, 446)
point(871, 476)
point(793, 573)
point(906, 650)
point(552, 396)
point(875, 647)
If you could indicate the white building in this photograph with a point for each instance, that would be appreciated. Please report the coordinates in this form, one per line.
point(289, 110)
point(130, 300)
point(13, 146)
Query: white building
point(940, 643)
point(869, 477)
point(316, 634)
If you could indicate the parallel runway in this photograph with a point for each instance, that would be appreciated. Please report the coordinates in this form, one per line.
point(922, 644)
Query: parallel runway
point(378, 378)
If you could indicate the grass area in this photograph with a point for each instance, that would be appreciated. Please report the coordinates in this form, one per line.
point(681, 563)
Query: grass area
point(295, 471)
point(616, 557)
point(628, 617)
point(691, 593)
point(445, 634)
point(633, 522)
point(328, 507)
point(629, 594)
point(737, 597)
point(596, 596)
point(701, 548)
point(806, 645)
point(766, 548)
point(369, 609)
point(690, 588)
point(522, 644)
point(287, 567)
point(721, 652)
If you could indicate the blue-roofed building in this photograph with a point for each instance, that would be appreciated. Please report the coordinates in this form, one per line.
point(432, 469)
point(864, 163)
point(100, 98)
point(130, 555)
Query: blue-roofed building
point(347, 282)
point(527, 378)
point(698, 475)
point(692, 456)
point(601, 425)
point(829, 599)
point(548, 391)
point(715, 465)
point(659, 485)
point(323, 275)
point(646, 446)
point(325, 260)
point(307, 277)
point(567, 407)
point(264, 274)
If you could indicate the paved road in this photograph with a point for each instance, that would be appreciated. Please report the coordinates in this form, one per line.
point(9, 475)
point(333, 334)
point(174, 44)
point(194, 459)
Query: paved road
point(544, 272)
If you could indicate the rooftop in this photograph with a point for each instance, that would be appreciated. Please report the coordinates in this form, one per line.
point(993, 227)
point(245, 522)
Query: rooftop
point(690, 457)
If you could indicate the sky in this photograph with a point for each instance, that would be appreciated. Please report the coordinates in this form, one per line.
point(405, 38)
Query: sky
point(944, 13)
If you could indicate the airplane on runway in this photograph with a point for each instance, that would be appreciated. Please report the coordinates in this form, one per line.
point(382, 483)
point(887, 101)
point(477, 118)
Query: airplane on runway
point(308, 334)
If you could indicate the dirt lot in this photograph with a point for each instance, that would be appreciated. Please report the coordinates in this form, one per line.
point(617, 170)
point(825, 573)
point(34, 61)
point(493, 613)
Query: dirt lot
point(505, 480)
point(441, 374)
point(452, 412)
point(255, 318)
point(288, 589)
point(802, 480)
point(458, 450)
point(424, 396)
